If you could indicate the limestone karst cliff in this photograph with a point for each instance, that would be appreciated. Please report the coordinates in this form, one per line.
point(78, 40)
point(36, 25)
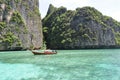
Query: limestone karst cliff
point(81, 28)
point(20, 25)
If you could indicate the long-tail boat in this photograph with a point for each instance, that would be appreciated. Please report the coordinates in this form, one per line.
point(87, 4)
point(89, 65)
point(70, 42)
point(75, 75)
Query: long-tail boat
point(44, 52)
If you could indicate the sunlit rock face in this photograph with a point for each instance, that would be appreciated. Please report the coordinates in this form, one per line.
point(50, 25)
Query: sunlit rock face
point(20, 25)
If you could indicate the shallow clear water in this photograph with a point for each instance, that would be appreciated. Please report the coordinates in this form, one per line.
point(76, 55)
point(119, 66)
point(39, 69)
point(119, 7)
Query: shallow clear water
point(103, 64)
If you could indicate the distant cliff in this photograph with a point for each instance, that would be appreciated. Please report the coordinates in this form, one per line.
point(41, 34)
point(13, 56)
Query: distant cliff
point(20, 25)
point(81, 28)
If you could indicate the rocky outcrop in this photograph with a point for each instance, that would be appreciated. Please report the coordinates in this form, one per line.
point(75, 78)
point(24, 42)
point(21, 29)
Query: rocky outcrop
point(20, 25)
point(82, 28)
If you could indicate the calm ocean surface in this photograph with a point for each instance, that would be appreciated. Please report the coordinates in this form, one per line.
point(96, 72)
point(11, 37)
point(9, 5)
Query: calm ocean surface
point(103, 64)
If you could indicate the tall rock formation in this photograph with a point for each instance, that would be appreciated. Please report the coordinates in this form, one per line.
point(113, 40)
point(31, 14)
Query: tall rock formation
point(82, 28)
point(20, 25)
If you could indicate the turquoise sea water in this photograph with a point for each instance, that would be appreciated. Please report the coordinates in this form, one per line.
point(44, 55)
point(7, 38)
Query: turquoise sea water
point(103, 64)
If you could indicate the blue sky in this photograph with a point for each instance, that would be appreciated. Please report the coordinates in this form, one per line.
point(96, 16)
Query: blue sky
point(107, 7)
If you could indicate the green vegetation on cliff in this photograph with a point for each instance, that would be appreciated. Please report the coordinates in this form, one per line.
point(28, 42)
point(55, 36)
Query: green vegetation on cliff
point(20, 24)
point(82, 28)
point(7, 35)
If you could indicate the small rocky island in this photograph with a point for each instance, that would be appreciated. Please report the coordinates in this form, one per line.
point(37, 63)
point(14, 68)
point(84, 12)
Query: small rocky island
point(20, 25)
point(81, 28)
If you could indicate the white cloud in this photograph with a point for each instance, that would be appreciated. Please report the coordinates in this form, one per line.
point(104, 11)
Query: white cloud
point(115, 15)
point(70, 4)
